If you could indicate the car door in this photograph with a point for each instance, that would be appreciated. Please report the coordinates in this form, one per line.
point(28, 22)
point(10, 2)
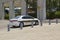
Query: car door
point(27, 20)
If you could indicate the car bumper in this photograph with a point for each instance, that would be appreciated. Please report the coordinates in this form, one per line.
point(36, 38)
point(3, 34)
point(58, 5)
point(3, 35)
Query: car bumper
point(13, 24)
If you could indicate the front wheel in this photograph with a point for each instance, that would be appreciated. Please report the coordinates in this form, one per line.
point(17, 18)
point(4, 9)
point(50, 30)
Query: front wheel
point(36, 23)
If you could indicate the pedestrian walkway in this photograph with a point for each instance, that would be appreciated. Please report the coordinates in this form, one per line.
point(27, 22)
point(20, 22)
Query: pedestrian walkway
point(45, 32)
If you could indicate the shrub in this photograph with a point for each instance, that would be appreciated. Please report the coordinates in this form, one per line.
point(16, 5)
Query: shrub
point(57, 14)
point(50, 15)
point(6, 16)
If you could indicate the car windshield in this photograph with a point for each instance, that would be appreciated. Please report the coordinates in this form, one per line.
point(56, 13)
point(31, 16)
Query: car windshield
point(27, 17)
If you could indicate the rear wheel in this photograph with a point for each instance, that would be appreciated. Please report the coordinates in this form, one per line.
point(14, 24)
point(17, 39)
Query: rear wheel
point(21, 25)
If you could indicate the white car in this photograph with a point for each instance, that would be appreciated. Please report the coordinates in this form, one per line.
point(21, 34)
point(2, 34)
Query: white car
point(25, 19)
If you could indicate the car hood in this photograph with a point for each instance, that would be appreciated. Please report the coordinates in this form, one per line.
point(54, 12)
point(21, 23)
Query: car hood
point(36, 19)
point(13, 19)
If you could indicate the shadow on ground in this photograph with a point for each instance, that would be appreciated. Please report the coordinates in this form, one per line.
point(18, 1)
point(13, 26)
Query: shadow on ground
point(23, 26)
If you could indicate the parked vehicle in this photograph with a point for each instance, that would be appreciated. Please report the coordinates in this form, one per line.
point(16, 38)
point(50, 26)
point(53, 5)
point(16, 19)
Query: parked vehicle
point(25, 19)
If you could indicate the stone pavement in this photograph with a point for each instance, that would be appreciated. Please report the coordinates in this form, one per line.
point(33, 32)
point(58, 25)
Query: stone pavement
point(45, 32)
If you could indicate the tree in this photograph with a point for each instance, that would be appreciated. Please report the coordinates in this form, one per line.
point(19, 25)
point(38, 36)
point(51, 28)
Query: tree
point(33, 5)
point(51, 8)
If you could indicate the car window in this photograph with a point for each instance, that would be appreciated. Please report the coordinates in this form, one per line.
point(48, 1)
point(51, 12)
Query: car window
point(27, 17)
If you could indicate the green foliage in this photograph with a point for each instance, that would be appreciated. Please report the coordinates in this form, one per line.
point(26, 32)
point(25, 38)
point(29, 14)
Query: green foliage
point(57, 14)
point(17, 14)
point(6, 16)
point(50, 15)
point(53, 15)
point(53, 4)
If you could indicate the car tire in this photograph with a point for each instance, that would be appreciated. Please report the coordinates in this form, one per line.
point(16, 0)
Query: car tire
point(14, 26)
point(21, 24)
point(36, 23)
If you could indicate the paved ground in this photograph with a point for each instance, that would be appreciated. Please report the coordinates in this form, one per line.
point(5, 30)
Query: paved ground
point(45, 32)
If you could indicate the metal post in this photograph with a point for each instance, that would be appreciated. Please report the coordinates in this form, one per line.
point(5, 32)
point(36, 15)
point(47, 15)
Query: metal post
point(41, 22)
point(21, 25)
point(32, 24)
point(8, 28)
point(49, 22)
point(56, 21)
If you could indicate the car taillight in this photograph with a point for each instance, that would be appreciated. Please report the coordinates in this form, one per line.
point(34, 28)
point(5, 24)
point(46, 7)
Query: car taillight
point(13, 20)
